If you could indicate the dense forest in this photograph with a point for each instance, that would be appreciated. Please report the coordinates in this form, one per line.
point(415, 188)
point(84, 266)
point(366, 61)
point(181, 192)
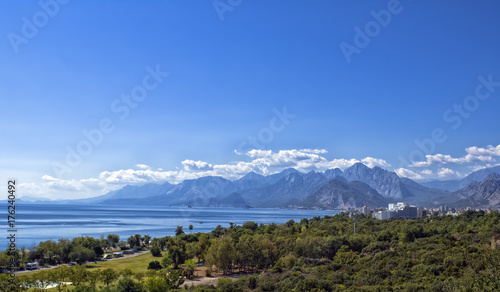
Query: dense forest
point(448, 253)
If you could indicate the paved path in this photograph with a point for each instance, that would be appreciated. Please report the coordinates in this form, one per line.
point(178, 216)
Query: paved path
point(44, 268)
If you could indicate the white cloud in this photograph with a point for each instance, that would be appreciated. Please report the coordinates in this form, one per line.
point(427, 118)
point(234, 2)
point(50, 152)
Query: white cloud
point(142, 166)
point(372, 162)
point(427, 174)
point(315, 151)
point(191, 165)
point(337, 163)
point(474, 154)
point(448, 174)
point(403, 172)
point(484, 152)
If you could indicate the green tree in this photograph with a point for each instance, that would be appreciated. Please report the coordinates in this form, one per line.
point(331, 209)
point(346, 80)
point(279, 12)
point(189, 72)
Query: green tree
point(222, 254)
point(4, 260)
point(176, 250)
point(156, 284)
point(128, 285)
point(122, 244)
point(189, 270)
point(166, 262)
point(147, 239)
point(8, 283)
point(47, 252)
point(139, 276)
point(155, 250)
point(78, 275)
point(204, 244)
point(250, 225)
point(132, 241)
point(93, 277)
point(113, 240)
point(108, 276)
point(138, 240)
point(126, 273)
point(151, 273)
point(65, 247)
point(247, 252)
point(81, 254)
point(174, 279)
point(59, 275)
point(179, 231)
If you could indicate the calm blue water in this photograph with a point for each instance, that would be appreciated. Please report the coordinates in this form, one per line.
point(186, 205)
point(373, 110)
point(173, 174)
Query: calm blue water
point(40, 222)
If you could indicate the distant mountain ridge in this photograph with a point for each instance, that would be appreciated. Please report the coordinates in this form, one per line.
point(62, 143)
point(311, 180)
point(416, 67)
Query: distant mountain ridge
point(289, 188)
point(455, 185)
point(337, 194)
point(485, 194)
point(295, 186)
point(385, 182)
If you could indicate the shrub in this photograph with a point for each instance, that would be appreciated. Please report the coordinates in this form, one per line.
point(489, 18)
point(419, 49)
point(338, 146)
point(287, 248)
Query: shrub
point(154, 265)
point(208, 272)
point(155, 250)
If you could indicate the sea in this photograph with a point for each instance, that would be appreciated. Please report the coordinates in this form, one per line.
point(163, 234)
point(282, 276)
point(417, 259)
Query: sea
point(40, 222)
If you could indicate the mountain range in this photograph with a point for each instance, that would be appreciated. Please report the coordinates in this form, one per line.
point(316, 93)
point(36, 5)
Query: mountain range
point(455, 185)
point(484, 194)
point(356, 186)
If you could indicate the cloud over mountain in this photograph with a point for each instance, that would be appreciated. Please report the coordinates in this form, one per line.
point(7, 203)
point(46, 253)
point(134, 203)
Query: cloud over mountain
point(263, 162)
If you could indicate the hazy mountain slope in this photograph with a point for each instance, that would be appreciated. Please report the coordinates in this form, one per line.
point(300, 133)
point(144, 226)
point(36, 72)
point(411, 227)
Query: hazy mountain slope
point(89, 201)
point(198, 192)
point(293, 187)
point(251, 180)
point(485, 194)
point(233, 200)
point(337, 194)
point(333, 173)
point(387, 183)
point(415, 193)
point(455, 185)
point(128, 195)
point(274, 178)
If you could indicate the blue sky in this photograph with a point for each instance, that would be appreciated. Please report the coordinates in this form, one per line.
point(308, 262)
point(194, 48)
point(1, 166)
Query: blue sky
point(232, 65)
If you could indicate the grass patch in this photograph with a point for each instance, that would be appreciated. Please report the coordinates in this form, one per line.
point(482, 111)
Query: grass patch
point(136, 264)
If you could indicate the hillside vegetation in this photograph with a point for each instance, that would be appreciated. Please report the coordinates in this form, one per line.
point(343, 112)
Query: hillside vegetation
point(323, 254)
